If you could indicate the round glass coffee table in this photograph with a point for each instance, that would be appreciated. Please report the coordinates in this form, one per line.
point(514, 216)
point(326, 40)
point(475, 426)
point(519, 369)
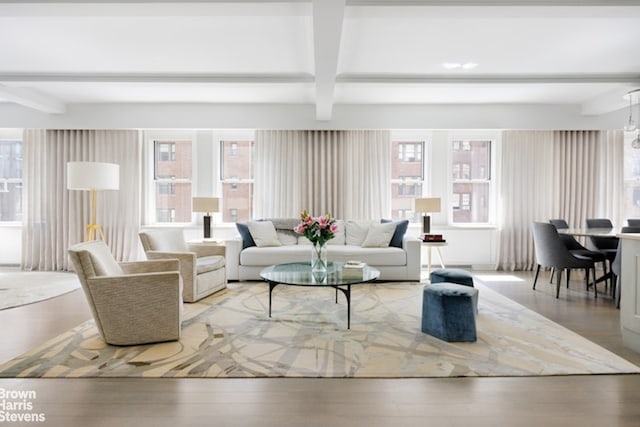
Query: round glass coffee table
point(299, 274)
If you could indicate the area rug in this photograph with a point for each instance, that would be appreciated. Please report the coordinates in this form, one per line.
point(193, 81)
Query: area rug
point(229, 334)
point(26, 287)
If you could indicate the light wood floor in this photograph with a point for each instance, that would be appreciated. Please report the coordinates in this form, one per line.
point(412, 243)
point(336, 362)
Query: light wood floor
point(589, 400)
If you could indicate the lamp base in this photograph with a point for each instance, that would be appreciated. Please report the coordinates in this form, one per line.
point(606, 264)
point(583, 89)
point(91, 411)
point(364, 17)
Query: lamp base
point(426, 224)
point(207, 226)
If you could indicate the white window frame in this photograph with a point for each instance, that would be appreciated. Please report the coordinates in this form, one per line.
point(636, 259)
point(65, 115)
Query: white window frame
point(496, 139)
point(13, 135)
point(220, 136)
point(415, 136)
point(148, 188)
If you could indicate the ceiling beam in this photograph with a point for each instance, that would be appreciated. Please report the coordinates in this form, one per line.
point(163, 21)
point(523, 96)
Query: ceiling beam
point(328, 16)
point(578, 78)
point(261, 78)
point(32, 98)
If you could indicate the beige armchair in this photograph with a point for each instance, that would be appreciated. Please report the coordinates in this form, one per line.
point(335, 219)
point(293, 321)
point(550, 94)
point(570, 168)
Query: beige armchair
point(132, 302)
point(202, 266)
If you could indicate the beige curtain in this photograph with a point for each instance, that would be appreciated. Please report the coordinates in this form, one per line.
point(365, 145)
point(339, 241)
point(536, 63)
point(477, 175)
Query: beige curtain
point(572, 175)
point(345, 173)
point(55, 217)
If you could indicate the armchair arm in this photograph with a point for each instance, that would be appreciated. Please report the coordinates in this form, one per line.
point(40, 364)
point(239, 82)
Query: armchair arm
point(187, 261)
point(204, 249)
point(137, 308)
point(150, 266)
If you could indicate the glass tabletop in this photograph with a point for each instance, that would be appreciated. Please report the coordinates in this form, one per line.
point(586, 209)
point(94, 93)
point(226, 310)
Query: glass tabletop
point(299, 274)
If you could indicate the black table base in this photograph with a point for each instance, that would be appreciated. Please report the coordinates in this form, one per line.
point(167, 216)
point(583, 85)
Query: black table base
point(345, 289)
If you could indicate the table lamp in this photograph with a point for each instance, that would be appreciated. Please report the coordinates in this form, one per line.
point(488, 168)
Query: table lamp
point(426, 205)
point(93, 176)
point(208, 205)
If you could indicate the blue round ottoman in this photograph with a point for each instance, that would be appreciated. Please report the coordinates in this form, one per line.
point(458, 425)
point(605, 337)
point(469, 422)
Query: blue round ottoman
point(448, 312)
point(454, 275)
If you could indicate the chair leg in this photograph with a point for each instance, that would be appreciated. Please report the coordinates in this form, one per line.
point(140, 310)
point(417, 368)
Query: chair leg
point(535, 279)
point(595, 285)
point(553, 270)
point(568, 274)
point(558, 281)
point(619, 293)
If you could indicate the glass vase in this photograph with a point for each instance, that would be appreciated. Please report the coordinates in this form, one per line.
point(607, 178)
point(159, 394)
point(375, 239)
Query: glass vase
point(319, 261)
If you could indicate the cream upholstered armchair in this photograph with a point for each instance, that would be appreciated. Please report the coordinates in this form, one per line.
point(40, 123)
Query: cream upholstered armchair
point(202, 266)
point(132, 302)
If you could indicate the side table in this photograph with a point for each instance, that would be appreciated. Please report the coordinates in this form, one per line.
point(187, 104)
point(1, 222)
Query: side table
point(430, 247)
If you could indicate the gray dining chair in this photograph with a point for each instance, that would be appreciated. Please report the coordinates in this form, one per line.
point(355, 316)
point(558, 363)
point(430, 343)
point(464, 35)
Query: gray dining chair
point(616, 265)
point(576, 247)
point(551, 252)
point(633, 222)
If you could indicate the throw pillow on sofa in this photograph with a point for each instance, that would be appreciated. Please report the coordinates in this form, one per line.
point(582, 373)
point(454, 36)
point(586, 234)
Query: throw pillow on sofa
point(379, 235)
point(401, 230)
point(263, 233)
point(356, 231)
point(245, 234)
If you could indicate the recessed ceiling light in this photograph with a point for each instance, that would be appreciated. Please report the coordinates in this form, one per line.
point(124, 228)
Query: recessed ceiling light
point(451, 65)
point(456, 65)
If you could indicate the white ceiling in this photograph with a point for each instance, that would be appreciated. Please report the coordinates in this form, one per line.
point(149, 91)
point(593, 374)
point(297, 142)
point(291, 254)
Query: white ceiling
point(54, 54)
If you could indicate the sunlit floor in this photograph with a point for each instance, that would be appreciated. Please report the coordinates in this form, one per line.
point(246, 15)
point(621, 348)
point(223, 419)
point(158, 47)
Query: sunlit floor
point(589, 400)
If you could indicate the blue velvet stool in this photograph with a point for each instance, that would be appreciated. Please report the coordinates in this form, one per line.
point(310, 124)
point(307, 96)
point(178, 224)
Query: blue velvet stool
point(448, 312)
point(454, 275)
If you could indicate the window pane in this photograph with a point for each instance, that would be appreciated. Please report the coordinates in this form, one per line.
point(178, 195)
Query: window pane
point(172, 176)
point(471, 175)
point(237, 180)
point(10, 180)
point(407, 178)
point(173, 159)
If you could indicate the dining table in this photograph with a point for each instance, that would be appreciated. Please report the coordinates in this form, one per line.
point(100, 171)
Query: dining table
point(611, 233)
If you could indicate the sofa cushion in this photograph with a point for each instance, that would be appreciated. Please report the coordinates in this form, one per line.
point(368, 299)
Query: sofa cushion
point(287, 237)
point(263, 233)
point(356, 232)
point(379, 235)
point(257, 256)
point(383, 257)
point(209, 263)
point(401, 230)
point(247, 240)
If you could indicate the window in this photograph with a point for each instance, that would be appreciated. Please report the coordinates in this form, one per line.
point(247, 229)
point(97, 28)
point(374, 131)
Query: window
point(10, 181)
point(407, 178)
point(172, 181)
point(471, 181)
point(236, 175)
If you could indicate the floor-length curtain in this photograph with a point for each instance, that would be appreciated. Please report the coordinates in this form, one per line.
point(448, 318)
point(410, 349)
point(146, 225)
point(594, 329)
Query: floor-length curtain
point(367, 174)
point(572, 175)
point(345, 173)
point(55, 217)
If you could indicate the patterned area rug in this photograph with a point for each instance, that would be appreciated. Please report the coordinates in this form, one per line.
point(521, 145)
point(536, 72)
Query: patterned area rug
point(230, 334)
point(19, 287)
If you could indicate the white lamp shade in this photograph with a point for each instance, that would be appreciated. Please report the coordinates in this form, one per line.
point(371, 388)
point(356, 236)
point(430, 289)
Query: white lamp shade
point(206, 204)
point(429, 204)
point(93, 176)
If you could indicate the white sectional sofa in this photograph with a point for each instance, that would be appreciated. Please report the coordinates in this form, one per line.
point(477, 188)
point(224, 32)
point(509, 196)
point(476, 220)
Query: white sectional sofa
point(398, 261)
